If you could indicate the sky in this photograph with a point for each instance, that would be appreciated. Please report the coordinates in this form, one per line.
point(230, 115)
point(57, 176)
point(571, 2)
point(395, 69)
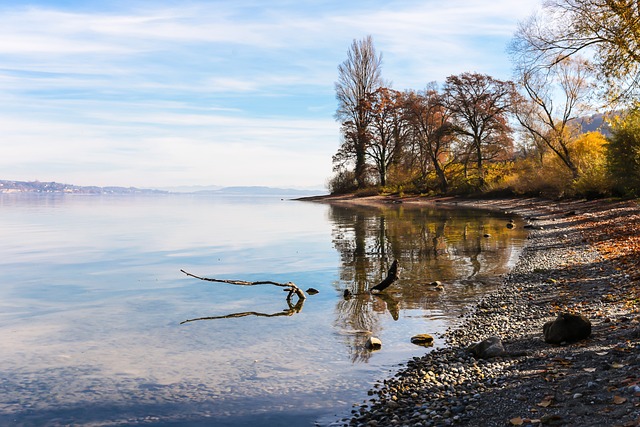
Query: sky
point(159, 93)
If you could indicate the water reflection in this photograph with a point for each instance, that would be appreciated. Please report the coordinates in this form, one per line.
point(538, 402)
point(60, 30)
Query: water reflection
point(289, 311)
point(465, 249)
point(91, 297)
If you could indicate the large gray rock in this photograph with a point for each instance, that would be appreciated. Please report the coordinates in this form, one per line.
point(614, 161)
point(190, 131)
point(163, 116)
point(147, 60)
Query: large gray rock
point(491, 347)
point(567, 328)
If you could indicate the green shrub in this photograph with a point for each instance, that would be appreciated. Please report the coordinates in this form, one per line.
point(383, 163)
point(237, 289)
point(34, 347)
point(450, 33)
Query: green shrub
point(623, 154)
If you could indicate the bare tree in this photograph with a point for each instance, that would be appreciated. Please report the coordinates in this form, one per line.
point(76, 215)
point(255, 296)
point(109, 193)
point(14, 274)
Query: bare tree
point(358, 78)
point(430, 121)
point(608, 31)
point(387, 130)
point(554, 98)
point(480, 105)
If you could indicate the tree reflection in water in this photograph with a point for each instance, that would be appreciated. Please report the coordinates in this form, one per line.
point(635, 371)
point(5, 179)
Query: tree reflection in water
point(466, 249)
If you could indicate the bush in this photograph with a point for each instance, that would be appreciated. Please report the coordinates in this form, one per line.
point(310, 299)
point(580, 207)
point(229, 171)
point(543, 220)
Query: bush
point(529, 177)
point(589, 151)
point(550, 177)
point(343, 182)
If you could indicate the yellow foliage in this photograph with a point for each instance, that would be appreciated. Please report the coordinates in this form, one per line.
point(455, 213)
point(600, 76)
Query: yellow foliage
point(589, 151)
point(590, 155)
point(552, 178)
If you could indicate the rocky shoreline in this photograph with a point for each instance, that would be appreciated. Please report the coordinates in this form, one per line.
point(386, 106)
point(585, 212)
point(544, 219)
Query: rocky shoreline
point(565, 267)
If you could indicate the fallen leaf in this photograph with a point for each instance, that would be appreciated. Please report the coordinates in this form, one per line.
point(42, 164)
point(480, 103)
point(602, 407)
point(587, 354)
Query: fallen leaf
point(518, 421)
point(546, 402)
point(602, 353)
point(589, 369)
point(619, 400)
point(616, 365)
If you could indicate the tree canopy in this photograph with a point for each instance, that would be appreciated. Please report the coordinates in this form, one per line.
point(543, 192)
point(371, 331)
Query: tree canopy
point(606, 31)
point(479, 133)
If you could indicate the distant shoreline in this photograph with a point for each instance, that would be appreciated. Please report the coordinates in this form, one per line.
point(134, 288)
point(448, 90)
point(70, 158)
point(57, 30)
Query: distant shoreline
point(51, 187)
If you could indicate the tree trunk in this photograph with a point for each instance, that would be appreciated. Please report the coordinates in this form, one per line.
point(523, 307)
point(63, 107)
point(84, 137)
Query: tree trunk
point(361, 165)
point(479, 163)
point(442, 178)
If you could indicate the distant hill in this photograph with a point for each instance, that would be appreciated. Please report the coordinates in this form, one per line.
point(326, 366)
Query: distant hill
point(594, 123)
point(55, 187)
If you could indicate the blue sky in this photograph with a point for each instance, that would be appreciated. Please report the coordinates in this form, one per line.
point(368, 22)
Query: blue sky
point(154, 93)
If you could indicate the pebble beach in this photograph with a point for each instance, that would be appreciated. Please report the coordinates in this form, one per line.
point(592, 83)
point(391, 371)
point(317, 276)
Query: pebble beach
point(581, 257)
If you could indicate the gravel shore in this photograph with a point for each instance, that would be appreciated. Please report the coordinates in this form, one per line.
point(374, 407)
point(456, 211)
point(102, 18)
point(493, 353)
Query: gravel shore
point(563, 267)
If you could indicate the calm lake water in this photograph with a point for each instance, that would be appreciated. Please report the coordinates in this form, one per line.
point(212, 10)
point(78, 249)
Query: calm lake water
point(92, 300)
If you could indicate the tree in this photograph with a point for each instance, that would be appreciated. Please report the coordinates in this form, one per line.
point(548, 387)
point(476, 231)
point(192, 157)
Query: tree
point(623, 154)
point(387, 130)
point(589, 153)
point(359, 76)
point(480, 105)
point(553, 99)
point(606, 30)
point(430, 121)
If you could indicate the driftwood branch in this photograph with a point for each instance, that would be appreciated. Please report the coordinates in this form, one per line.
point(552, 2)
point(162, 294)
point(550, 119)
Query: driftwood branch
point(293, 309)
point(288, 287)
point(392, 276)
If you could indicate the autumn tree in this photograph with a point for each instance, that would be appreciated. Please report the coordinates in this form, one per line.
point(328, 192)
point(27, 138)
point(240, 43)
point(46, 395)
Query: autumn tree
point(480, 106)
point(623, 153)
point(432, 130)
point(553, 98)
point(359, 76)
point(387, 130)
point(608, 31)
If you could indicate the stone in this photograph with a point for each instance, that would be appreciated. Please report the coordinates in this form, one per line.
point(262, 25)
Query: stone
point(373, 343)
point(436, 285)
point(491, 347)
point(567, 328)
point(422, 339)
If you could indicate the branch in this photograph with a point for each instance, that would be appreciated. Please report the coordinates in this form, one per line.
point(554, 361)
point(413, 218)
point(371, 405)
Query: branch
point(289, 286)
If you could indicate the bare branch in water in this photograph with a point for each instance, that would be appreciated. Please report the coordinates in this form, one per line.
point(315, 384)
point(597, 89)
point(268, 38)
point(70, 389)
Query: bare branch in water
point(289, 286)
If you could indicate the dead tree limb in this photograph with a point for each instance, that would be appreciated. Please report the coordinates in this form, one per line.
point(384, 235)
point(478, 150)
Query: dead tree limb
point(392, 276)
point(288, 287)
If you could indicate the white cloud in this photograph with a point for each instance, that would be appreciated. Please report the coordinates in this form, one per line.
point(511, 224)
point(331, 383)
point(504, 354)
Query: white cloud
point(149, 93)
